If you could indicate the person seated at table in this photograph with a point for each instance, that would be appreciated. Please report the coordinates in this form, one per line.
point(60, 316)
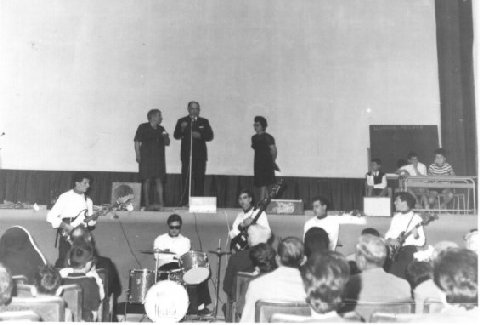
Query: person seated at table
point(415, 168)
point(376, 180)
point(440, 168)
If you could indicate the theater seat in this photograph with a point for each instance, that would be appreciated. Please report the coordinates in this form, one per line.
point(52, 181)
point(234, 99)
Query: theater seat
point(19, 316)
point(91, 303)
point(50, 309)
point(367, 309)
point(265, 309)
point(240, 286)
point(393, 318)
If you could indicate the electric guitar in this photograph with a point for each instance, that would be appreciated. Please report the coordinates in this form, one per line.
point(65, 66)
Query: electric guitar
point(394, 249)
point(240, 242)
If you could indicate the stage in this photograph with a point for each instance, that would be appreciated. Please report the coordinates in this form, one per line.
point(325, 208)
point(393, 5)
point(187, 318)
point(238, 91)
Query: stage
point(122, 239)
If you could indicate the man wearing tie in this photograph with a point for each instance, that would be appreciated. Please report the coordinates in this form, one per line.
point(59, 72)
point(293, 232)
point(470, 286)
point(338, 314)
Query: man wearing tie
point(199, 130)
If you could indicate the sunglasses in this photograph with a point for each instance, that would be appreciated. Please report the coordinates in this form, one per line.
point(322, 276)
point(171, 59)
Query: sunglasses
point(175, 227)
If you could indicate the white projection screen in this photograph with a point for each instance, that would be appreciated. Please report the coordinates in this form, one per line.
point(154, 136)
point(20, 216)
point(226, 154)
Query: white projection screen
point(77, 77)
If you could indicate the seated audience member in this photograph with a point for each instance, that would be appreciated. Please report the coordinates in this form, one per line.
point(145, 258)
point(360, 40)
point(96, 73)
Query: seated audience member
point(376, 179)
point(263, 258)
point(316, 241)
point(82, 271)
point(419, 276)
point(19, 253)
point(322, 220)
point(282, 284)
point(240, 261)
point(442, 246)
point(352, 257)
point(400, 164)
point(455, 272)
point(324, 277)
point(438, 168)
point(371, 231)
point(471, 241)
point(416, 168)
point(373, 284)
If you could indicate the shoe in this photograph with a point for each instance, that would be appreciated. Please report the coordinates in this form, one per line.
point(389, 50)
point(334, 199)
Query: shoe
point(203, 312)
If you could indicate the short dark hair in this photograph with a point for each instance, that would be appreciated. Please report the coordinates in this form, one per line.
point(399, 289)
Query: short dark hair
point(152, 112)
point(174, 218)
point(377, 161)
point(401, 162)
point(80, 176)
point(406, 196)
point(323, 201)
point(324, 277)
point(249, 193)
point(455, 271)
point(6, 285)
point(412, 154)
point(262, 121)
point(263, 257)
point(291, 252)
point(418, 272)
point(440, 151)
point(316, 241)
point(371, 231)
point(47, 280)
point(191, 103)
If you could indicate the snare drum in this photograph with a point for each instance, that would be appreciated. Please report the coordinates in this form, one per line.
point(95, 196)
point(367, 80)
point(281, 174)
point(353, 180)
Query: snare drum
point(171, 271)
point(139, 283)
point(166, 301)
point(195, 266)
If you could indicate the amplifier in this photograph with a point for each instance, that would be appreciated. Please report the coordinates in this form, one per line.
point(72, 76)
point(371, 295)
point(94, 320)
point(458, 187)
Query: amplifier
point(286, 207)
point(202, 204)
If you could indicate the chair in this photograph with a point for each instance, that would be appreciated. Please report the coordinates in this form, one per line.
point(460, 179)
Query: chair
point(19, 279)
point(19, 316)
point(50, 309)
point(265, 309)
point(240, 286)
point(90, 296)
point(107, 303)
point(393, 318)
point(366, 309)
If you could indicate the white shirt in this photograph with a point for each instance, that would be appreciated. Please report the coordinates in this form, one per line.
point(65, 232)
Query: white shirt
point(404, 222)
point(282, 284)
point(178, 245)
point(382, 184)
point(422, 170)
point(68, 205)
point(330, 224)
point(262, 221)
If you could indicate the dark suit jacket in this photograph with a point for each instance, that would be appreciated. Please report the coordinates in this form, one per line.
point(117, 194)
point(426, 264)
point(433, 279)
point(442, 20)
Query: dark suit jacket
point(199, 151)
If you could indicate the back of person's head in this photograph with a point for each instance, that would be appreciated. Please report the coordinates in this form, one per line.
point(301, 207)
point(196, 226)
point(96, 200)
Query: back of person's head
point(316, 241)
point(371, 231)
point(263, 257)
point(80, 255)
point(291, 252)
point(82, 235)
point(370, 251)
point(324, 277)
point(174, 218)
point(47, 280)
point(408, 197)
point(6, 285)
point(257, 235)
point(455, 271)
point(442, 246)
point(418, 272)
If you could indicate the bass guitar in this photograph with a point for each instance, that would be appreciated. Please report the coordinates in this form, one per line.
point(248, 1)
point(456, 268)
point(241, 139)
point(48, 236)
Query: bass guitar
point(394, 249)
point(240, 242)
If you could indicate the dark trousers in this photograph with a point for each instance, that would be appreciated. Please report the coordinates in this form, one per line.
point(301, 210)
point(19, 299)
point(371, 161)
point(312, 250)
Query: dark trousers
point(198, 294)
point(404, 257)
point(63, 248)
point(198, 178)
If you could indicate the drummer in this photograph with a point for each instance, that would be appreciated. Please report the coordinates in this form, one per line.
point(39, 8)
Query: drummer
point(174, 245)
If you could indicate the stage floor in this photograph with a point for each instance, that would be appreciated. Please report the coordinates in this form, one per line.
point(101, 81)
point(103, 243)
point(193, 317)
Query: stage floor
point(122, 239)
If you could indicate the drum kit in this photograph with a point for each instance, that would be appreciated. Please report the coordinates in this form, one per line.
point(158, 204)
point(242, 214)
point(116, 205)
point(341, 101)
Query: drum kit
point(163, 291)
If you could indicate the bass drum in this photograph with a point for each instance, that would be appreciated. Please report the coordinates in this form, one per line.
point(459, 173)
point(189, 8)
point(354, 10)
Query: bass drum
point(140, 281)
point(166, 301)
point(195, 267)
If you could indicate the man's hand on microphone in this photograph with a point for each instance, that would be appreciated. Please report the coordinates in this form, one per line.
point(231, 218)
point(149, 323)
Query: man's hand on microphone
point(196, 135)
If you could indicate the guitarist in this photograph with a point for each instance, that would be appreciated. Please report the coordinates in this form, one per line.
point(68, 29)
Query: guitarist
point(245, 218)
point(73, 205)
point(405, 220)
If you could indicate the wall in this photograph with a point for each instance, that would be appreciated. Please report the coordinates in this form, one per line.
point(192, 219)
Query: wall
point(77, 77)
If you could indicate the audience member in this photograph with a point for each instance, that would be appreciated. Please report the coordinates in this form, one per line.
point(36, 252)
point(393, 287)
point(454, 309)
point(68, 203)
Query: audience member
point(352, 257)
point(415, 168)
point(322, 220)
point(316, 241)
point(419, 276)
point(47, 282)
point(471, 241)
point(439, 168)
point(373, 284)
point(376, 179)
point(19, 253)
point(263, 258)
point(282, 284)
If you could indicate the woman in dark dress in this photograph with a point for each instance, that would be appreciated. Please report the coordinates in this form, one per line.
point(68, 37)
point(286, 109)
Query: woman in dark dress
point(150, 141)
point(265, 156)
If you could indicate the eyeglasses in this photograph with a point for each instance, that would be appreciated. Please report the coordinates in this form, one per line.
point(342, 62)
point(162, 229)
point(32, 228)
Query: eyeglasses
point(175, 227)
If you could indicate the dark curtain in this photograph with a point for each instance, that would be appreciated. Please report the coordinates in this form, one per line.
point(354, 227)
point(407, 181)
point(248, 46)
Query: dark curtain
point(30, 186)
point(455, 68)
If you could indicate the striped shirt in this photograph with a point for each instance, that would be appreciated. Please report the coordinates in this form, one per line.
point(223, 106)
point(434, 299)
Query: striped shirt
point(444, 170)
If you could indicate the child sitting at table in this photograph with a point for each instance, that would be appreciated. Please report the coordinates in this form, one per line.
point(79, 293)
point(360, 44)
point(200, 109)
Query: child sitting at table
point(440, 168)
point(376, 179)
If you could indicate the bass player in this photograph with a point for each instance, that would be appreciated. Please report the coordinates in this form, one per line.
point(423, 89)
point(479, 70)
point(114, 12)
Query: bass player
point(70, 211)
point(404, 221)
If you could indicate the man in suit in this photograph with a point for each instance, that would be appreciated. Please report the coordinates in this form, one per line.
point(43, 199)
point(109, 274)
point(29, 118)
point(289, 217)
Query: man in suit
point(198, 129)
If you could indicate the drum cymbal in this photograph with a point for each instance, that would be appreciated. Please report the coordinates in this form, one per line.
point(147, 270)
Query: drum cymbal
point(156, 251)
point(219, 252)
